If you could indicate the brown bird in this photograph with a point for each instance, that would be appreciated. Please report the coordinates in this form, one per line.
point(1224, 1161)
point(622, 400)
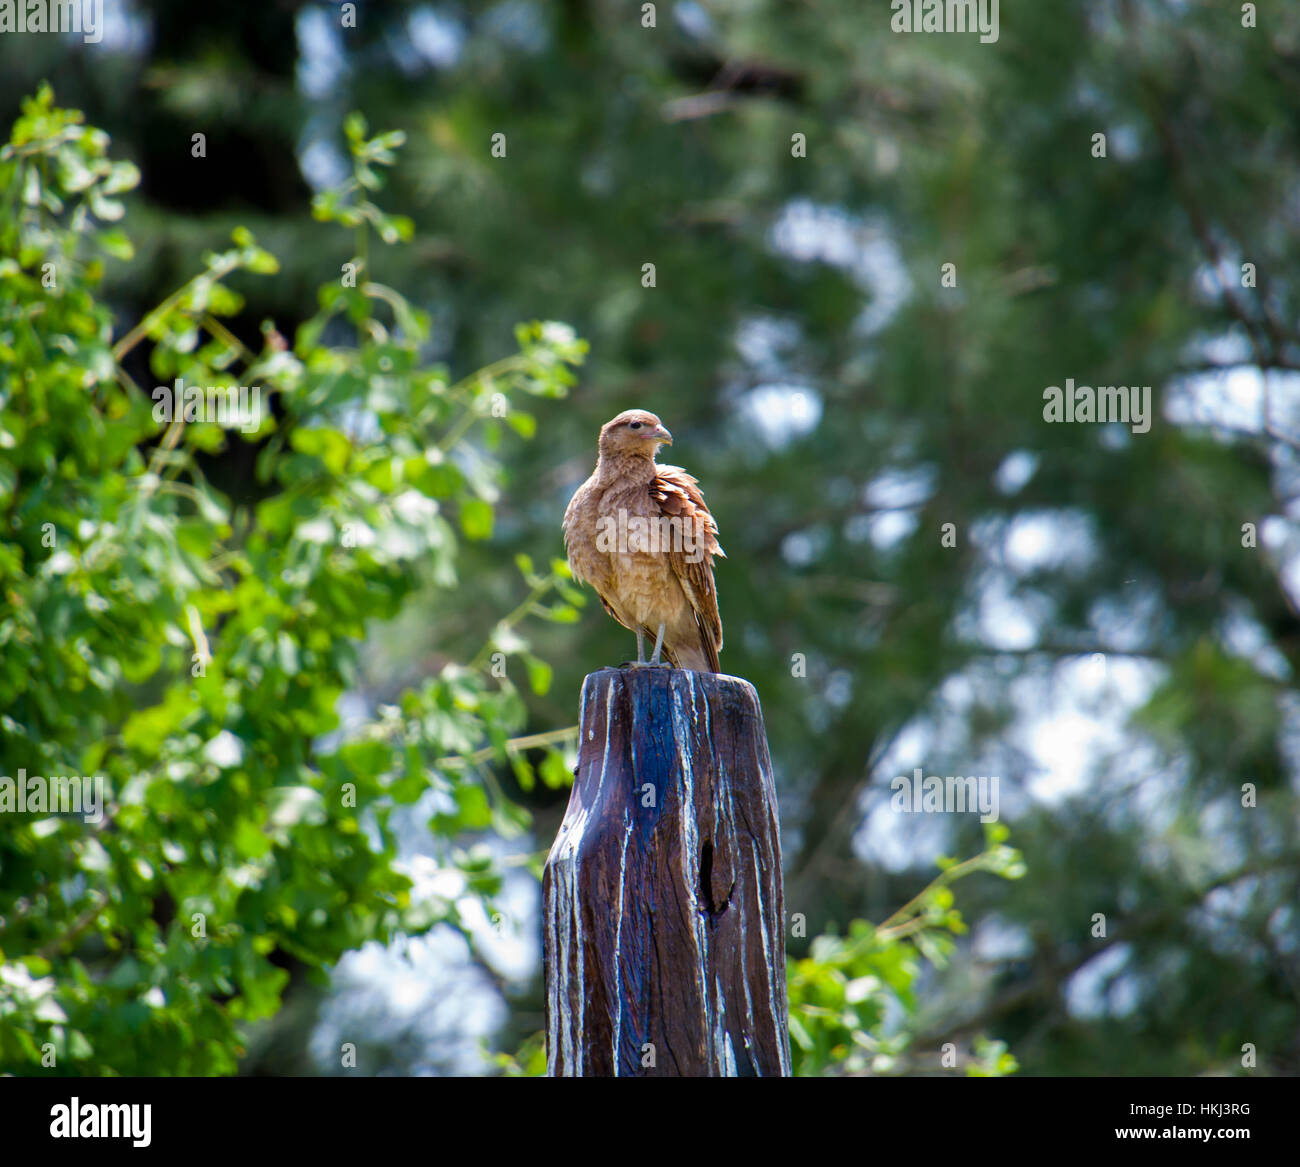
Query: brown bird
point(640, 534)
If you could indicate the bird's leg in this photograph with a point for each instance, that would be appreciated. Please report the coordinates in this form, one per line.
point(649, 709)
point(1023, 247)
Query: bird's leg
point(659, 644)
point(640, 662)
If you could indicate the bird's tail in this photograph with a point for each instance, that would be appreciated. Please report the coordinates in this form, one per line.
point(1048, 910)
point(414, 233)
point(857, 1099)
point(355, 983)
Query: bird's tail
point(701, 658)
point(694, 658)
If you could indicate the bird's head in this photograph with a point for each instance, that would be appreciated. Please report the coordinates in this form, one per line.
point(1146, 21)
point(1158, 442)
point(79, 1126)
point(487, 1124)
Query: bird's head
point(634, 431)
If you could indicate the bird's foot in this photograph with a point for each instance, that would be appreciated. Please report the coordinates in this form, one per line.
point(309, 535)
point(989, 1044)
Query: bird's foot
point(645, 664)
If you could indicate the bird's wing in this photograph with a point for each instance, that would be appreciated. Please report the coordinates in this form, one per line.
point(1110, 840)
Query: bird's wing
point(678, 496)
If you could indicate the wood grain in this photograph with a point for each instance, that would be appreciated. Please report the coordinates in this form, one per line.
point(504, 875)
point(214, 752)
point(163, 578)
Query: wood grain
point(664, 944)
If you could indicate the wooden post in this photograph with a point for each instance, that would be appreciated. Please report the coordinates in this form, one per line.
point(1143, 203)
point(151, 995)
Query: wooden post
point(663, 916)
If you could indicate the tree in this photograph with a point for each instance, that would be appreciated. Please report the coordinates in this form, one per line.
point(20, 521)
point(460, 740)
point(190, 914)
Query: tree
point(180, 655)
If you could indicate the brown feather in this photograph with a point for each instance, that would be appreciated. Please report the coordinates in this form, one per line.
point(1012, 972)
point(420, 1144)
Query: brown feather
point(678, 494)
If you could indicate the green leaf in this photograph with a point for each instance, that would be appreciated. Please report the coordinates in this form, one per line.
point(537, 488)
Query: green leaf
point(555, 772)
point(476, 518)
point(117, 244)
point(329, 445)
point(539, 674)
point(249, 841)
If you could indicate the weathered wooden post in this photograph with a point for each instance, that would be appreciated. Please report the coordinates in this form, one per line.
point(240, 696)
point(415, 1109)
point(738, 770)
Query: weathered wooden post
point(663, 900)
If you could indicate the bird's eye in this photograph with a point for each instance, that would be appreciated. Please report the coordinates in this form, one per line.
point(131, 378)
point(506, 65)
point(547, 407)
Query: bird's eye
point(634, 425)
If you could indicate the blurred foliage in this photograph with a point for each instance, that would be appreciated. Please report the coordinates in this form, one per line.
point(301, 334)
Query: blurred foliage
point(193, 650)
point(854, 1005)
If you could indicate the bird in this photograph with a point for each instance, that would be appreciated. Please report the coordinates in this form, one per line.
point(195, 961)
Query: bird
point(642, 537)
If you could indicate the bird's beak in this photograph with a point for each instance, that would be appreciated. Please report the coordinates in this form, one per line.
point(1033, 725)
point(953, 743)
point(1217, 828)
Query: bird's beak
point(663, 435)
